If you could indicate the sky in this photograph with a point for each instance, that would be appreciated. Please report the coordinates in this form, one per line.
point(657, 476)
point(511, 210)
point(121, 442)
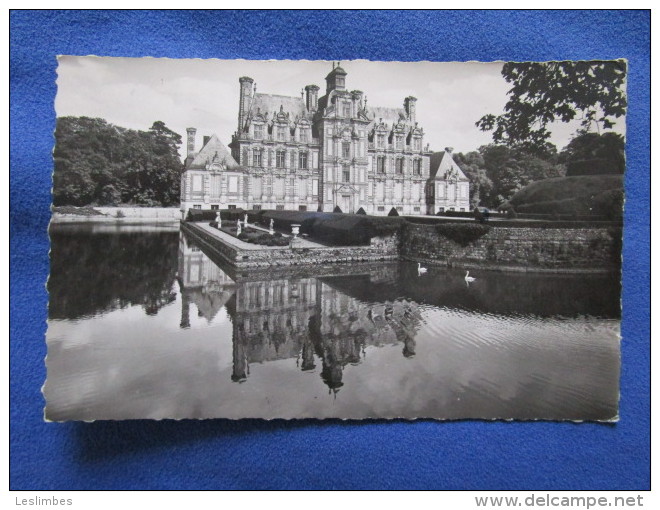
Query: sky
point(135, 92)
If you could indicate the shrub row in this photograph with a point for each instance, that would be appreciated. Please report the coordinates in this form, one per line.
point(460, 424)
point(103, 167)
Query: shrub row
point(210, 214)
point(336, 228)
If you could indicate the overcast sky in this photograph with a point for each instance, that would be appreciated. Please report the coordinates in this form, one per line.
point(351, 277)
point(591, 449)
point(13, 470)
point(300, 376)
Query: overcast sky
point(135, 92)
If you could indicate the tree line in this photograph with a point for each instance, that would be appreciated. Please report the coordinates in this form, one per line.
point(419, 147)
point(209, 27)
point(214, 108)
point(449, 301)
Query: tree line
point(497, 172)
point(99, 163)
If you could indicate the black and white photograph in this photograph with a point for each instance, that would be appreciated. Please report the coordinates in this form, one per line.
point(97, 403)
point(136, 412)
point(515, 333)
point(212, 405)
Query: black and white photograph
point(336, 239)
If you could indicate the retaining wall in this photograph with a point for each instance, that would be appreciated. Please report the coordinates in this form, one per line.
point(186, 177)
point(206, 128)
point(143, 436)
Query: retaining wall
point(380, 249)
point(522, 248)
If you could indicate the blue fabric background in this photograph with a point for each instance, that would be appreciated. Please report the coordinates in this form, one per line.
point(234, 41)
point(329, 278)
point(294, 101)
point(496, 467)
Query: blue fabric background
point(222, 454)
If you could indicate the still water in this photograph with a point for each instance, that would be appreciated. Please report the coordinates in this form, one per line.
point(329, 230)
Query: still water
point(143, 324)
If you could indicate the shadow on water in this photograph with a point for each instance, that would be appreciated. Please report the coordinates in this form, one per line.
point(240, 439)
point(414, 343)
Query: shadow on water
point(149, 325)
point(93, 274)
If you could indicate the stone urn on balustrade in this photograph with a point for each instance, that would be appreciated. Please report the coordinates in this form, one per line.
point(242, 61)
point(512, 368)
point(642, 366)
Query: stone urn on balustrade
point(295, 230)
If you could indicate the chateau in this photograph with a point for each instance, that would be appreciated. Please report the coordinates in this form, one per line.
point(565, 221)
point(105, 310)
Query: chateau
point(311, 153)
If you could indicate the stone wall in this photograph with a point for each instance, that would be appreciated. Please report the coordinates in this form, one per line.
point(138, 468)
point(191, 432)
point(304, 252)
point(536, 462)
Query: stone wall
point(596, 249)
point(381, 249)
point(523, 248)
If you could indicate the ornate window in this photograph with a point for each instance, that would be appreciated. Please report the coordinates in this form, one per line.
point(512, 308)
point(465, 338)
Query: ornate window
point(417, 167)
point(280, 159)
point(256, 158)
point(381, 141)
point(399, 166)
point(399, 142)
point(380, 164)
point(258, 131)
point(347, 109)
point(417, 143)
point(346, 150)
point(346, 174)
point(303, 135)
point(302, 160)
point(281, 133)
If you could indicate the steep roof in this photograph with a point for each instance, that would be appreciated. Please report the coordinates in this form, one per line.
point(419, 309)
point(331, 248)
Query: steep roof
point(442, 163)
point(389, 115)
point(213, 151)
point(271, 103)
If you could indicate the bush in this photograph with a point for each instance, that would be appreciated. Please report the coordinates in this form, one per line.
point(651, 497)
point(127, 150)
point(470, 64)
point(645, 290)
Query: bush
point(462, 233)
point(336, 228)
point(361, 211)
point(337, 209)
point(393, 212)
point(205, 215)
point(595, 166)
point(270, 240)
point(213, 224)
point(120, 214)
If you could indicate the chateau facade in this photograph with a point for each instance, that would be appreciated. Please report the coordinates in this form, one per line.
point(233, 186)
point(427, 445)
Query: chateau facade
point(312, 153)
point(448, 189)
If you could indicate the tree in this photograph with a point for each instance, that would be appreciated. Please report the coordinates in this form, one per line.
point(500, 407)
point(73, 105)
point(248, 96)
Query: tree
point(510, 169)
point(474, 168)
point(97, 162)
point(591, 153)
point(545, 92)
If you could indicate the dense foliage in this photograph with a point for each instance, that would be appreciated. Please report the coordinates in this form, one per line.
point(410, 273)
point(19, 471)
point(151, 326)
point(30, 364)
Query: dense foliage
point(594, 154)
point(496, 172)
point(102, 164)
point(335, 228)
point(585, 195)
point(546, 92)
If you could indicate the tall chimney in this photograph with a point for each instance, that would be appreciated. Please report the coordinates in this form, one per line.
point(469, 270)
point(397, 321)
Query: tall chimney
point(191, 141)
point(312, 97)
point(244, 103)
point(410, 104)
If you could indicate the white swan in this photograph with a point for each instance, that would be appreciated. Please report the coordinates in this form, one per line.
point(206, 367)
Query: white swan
point(468, 278)
point(420, 269)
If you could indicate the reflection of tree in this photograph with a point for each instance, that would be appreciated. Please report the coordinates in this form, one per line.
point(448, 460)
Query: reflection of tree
point(95, 273)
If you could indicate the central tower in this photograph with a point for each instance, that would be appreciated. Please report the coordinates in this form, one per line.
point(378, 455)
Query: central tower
point(336, 79)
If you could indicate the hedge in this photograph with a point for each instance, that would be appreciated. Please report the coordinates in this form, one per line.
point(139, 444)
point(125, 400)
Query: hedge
point(337, 228)
point(206, 215)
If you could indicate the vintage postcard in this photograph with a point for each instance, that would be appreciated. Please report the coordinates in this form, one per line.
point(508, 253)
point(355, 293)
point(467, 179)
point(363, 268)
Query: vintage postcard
point(355, 239)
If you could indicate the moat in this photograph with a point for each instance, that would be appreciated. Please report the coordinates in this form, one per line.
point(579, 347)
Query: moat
point(145, 324)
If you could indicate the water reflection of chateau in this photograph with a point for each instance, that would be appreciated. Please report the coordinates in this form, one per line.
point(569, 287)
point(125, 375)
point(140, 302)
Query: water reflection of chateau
point(304, 318)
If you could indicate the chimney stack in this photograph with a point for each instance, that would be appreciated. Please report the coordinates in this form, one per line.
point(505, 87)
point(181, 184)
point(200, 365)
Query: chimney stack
point(191, 141)
point(245, 99)
point(410, 104)
point(312, 97)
